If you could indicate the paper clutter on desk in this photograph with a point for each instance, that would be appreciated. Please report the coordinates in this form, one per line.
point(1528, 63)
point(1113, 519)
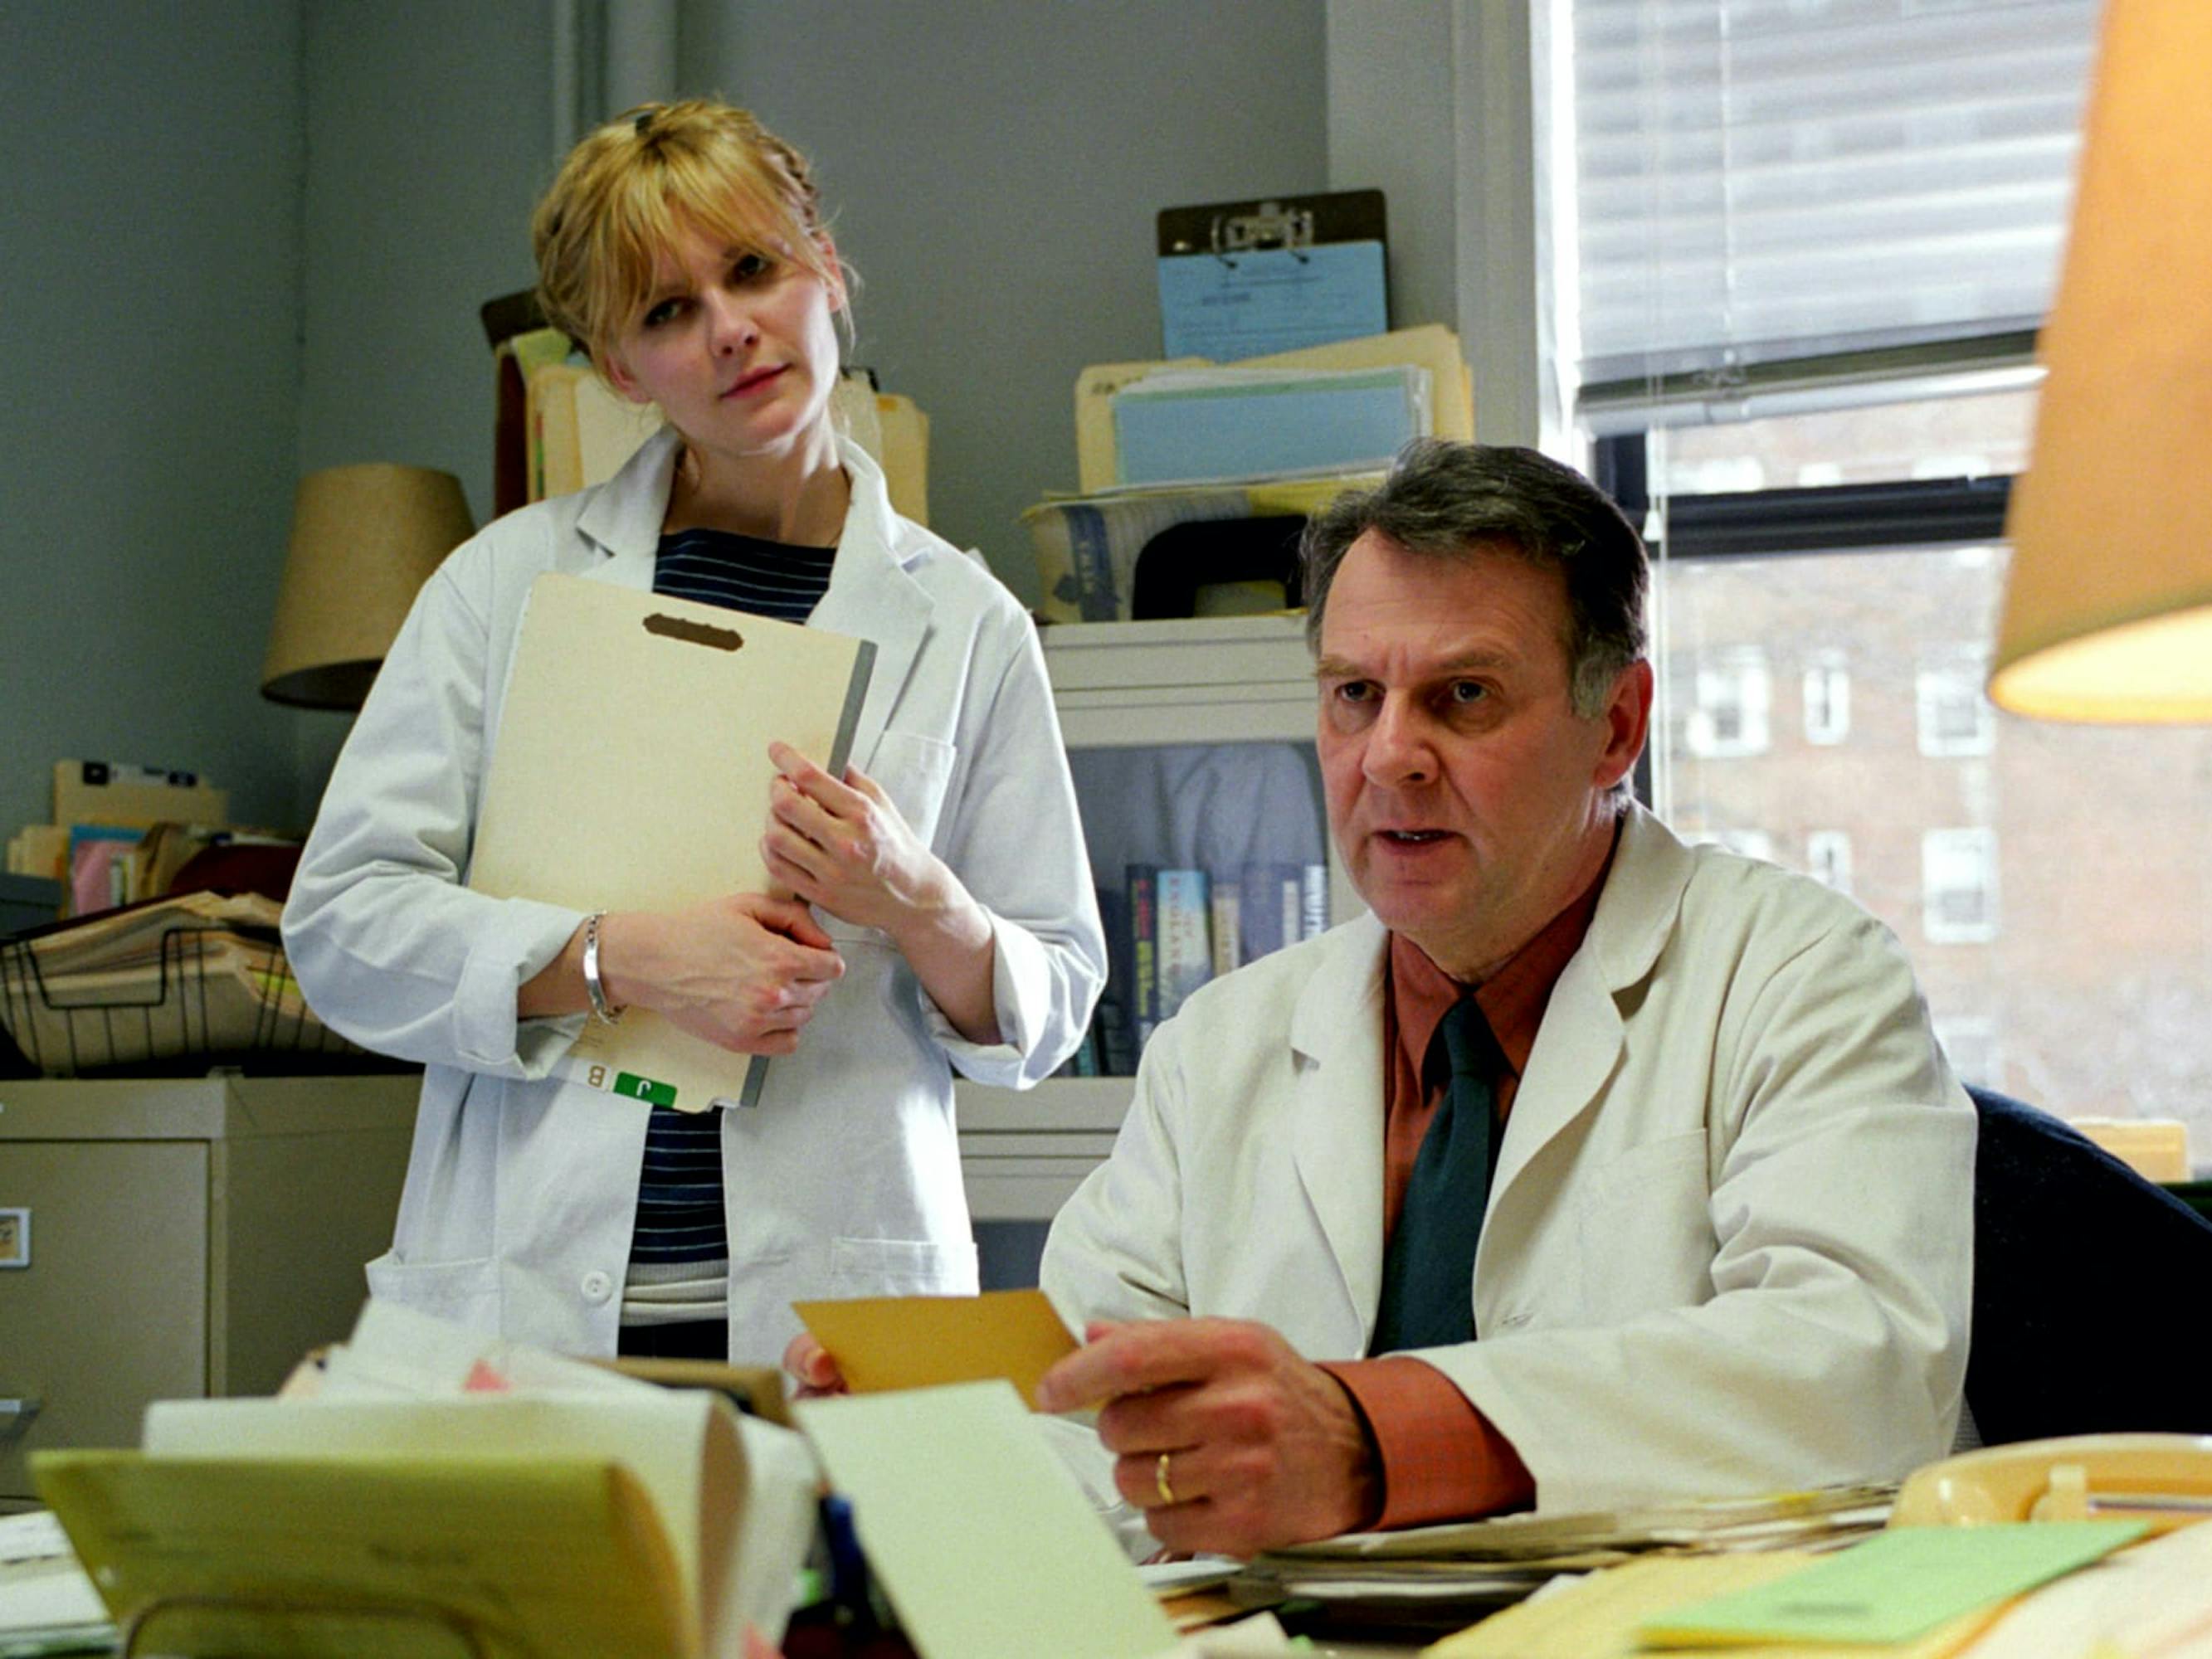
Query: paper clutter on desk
point(1898, 1586)
point(573, 1509)
point(1181, 442)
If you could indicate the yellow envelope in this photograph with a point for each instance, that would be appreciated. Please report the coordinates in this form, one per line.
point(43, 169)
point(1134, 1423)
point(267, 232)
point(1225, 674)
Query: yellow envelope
point(886, 1342)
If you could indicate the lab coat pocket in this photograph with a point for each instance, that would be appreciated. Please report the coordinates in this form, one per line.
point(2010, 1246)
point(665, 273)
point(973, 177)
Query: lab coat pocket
point(466, 1292)
point(1646, 1230)
point(914, 770)
point(901, 1266)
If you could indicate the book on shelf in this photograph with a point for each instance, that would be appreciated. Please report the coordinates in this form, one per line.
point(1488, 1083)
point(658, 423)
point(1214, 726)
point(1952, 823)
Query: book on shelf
point(1225, 905)
point(1183, 958)
point(1144, 953)
point(1282, 904)
point(1112, 1018)
point(1085, 1061)
point(1173, 928)
point(1313, 900)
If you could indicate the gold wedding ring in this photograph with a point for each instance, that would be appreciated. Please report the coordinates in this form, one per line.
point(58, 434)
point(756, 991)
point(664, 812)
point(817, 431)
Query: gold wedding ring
point(1160, 1478)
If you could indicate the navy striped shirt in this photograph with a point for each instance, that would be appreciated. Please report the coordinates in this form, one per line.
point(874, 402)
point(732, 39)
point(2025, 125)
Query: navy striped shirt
point(680, 1233)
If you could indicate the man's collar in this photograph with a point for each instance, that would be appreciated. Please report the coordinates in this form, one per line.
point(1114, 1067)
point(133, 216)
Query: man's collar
point(1514, 996)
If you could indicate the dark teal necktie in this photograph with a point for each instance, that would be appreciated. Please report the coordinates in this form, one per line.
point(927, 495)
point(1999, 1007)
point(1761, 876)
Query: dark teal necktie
point(1428, 1271)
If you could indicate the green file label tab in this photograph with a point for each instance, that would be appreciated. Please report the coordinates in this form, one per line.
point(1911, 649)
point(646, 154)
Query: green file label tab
point(644, 1089)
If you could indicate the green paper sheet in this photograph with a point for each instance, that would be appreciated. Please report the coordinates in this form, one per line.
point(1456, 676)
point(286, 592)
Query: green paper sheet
point(1895, 1585)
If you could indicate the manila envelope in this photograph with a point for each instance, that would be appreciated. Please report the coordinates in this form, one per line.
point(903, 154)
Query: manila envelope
point(885, 1342)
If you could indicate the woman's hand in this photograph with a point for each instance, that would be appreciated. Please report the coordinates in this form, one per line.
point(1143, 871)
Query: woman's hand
point(844, 846)
point(745, 972)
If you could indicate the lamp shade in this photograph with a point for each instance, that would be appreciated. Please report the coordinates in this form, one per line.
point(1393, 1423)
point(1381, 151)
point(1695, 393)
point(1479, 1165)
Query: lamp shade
point(364, 540)
point(2108, 608)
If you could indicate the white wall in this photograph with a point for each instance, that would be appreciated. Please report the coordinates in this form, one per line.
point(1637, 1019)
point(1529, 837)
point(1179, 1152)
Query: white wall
point(150, 185)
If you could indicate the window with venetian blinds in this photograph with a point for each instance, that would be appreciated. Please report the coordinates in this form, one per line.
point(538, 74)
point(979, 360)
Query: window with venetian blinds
point(1754, 184)
point(1802, 248)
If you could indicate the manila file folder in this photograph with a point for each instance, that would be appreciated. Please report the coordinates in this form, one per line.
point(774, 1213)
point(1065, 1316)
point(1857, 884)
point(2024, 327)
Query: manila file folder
point(611, 1525)
point(631, 772)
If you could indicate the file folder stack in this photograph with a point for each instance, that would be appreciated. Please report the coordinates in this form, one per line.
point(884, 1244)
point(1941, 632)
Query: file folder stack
point(1163, 444)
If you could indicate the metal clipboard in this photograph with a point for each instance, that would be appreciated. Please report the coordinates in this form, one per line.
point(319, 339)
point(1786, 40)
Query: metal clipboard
point(1246, 279)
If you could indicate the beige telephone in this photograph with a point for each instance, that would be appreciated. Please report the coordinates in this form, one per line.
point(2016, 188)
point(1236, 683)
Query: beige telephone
point(2163, 1479)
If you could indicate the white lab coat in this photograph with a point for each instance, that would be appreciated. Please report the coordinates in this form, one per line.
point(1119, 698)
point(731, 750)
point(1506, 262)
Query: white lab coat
point(1729, 1245)
point(845, 1180)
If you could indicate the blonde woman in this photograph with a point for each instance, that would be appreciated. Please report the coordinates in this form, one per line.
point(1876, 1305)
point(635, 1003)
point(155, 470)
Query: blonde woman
point(944, 918)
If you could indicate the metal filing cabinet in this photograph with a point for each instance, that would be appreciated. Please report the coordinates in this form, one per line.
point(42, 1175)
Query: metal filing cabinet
point(180, 1238)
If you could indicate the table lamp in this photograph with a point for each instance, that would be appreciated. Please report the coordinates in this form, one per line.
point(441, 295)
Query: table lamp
point(2108, 605)
point(364, 540)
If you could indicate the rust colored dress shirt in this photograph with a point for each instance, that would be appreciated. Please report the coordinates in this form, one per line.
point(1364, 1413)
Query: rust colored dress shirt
point(1441, 1459)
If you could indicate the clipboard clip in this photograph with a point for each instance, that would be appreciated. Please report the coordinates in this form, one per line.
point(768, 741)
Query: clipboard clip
point(1269, 226)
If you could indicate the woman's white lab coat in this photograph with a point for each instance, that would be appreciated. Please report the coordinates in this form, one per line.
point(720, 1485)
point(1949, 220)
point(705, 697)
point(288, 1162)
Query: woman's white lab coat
point(845, 1180)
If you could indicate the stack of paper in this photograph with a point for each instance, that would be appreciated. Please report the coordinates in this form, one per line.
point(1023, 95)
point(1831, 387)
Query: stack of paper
point(1161, 444)
point(200, 974)
point(1433, 1573)
point(1908, 1593)
point(46, 1603)
point(544, 1505)
point(1431, 349)
point(1197, 425)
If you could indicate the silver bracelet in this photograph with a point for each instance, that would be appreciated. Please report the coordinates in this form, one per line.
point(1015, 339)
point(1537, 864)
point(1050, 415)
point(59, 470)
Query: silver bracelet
point(594, 986)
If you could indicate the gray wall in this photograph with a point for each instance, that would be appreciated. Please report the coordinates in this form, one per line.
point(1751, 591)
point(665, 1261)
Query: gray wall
point(274, 264)
point(994, 167)
point(427, 131)
point(428, 140)
point(994, 187)
point(149, 272)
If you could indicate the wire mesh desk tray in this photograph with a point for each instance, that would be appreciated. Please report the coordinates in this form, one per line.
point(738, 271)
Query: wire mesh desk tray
point(174, 1000)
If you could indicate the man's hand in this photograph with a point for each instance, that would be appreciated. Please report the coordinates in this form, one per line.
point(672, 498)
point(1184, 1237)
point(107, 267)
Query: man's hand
point(810, 1365)
point(1263, 1448)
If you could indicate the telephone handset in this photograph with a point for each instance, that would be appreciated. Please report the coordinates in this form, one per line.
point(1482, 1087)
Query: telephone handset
point(2163, 1479)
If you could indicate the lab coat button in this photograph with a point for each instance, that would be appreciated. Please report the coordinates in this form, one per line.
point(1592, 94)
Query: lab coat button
point(597, 1286)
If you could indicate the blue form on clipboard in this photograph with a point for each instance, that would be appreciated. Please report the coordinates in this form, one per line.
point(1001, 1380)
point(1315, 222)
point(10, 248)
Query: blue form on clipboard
point(1228, 306)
